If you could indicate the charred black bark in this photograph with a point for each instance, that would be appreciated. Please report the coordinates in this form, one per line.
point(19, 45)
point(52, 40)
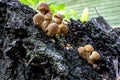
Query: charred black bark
point(26, 53)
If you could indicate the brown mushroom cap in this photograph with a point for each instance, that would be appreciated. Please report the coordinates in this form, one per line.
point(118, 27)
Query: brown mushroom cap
point(88, 48)
point(59, 16)
point(95, 55)
point(42, 6)
point(53, 28)
point(63, 28)
point(81, 50)
point(38, 18)
point(48, 16)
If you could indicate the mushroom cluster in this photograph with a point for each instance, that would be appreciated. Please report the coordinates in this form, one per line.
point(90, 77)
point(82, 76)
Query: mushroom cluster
point(87, 52)
point(51, 25)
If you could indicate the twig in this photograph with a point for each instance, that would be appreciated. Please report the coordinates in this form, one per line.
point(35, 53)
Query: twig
point(97, 11)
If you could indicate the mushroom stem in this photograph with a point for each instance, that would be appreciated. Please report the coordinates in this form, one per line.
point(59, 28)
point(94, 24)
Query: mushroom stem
point(43, 12)
point(50, 34)
point(43, 28)
point(46, 23)
point(84, 55)
point(88, 55)
point(91, 59)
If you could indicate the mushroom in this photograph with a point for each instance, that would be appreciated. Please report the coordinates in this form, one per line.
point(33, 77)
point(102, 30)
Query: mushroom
point(68, 46)
point(94, 56)
point(43, 7)
point(58, 18)
point(48, 19)
point(38, 19)
point(52, 29)
point(88, 49)
point(81, 51)
point(63, 28)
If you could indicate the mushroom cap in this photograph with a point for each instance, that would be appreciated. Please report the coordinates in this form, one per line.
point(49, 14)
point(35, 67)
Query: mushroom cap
point(43, 6)
point(95, 55)
point(88, 48)
point(81, 52)
point(38, 18)
point(48, 16)
point(81, 49)
point(63, 28)
point(53, 28)
point(59, 16)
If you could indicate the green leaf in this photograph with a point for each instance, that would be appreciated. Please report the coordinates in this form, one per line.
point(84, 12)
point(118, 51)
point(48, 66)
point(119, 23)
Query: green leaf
point(52, 9)
point(51, 3)
point(24, 1)
point(73, 14)
point(60, 6)
point(66, 16)
point(56, 8)
point(84, 15)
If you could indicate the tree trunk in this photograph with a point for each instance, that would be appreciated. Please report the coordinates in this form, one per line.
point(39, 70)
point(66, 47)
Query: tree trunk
point(26, 53)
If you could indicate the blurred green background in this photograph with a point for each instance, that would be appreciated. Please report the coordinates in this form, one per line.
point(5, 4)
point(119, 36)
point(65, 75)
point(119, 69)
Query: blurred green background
point(109, 9)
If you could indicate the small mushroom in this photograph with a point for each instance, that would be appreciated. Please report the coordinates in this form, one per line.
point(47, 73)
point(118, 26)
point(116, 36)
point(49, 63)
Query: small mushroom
point(94, 56)
point(58, 18)
point(43, 7)
point(68, 46)
point(52, 29)
point(88, 49)
point(63, 28)
point(48, 19)
point(38, 19)
point(81, 51)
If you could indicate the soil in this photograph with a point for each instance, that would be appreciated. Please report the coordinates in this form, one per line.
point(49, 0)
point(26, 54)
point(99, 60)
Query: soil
point(26, 53)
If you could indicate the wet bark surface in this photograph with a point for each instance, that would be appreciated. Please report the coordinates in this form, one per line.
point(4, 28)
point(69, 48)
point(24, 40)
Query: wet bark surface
point(26, 53)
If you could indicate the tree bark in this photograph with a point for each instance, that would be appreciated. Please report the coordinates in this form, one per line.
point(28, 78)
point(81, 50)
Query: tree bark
point(26, 53)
